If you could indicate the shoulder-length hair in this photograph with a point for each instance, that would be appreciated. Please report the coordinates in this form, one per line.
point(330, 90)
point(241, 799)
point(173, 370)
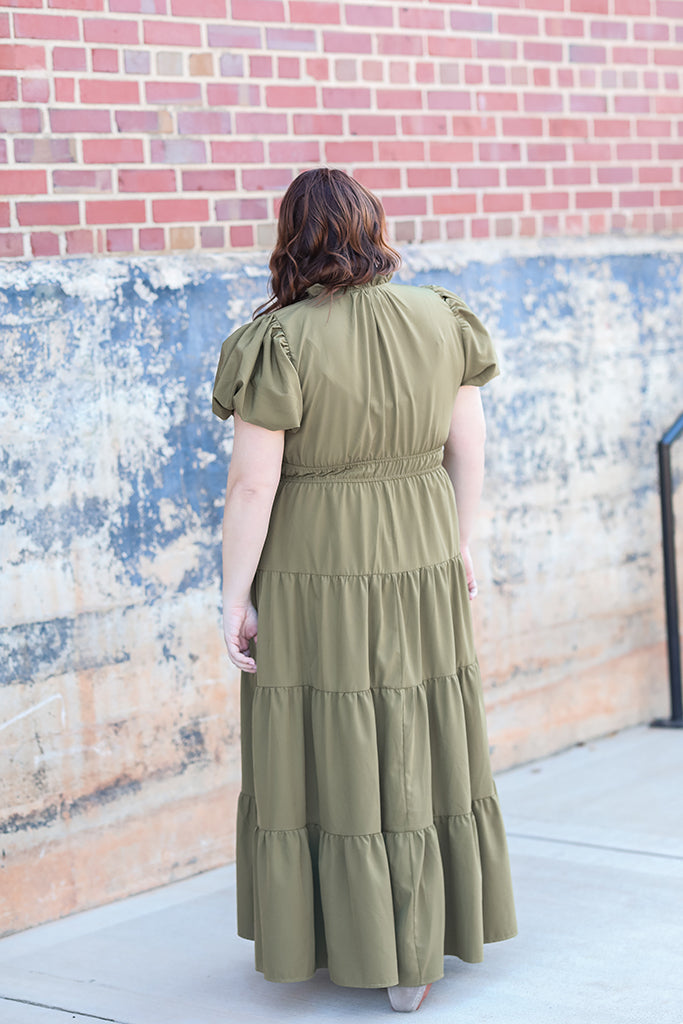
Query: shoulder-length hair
point(331, 231)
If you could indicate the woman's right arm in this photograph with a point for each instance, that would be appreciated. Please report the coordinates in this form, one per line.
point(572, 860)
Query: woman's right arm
point(464, 462)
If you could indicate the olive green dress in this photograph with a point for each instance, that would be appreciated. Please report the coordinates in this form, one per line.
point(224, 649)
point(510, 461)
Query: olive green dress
point(369, 834)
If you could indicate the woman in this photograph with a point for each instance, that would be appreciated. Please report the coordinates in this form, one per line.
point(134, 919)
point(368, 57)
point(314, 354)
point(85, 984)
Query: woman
point(369, 835)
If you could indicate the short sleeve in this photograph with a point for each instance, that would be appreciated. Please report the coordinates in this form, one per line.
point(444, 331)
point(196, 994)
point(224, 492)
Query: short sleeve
point(481, 361)
point(256, 377)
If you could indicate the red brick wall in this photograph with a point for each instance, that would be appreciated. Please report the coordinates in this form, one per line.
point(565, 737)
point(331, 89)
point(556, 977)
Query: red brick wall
point(155, 125)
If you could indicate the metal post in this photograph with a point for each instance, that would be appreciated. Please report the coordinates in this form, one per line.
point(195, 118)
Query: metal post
point(670, 583)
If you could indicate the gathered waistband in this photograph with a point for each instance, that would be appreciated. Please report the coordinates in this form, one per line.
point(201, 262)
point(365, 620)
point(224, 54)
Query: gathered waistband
point(370, 469)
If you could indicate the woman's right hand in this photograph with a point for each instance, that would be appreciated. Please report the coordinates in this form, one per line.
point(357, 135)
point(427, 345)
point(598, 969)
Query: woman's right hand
point(472, 588)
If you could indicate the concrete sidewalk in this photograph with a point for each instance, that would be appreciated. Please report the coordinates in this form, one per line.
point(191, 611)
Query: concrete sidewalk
point(596, 843)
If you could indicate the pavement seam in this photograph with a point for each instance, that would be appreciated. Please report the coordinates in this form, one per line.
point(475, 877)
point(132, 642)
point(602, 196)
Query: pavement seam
point(595, 846)
point(64, 1009)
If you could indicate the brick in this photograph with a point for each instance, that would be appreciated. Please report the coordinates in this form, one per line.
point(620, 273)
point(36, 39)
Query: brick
point(478, 177)
point(631, 104)
point(178, 211)
point(455, 229)
point(211, 236)
point(669, 104)
point(400, 206)
point(77, 5)
point(119, 240)
point(146, 121)
point(542, 102)
point(473, 126)
point(347, 152)
point(671, 197)
point(525, 177)
point(265, 178)
point(518, 24)
point(22, 182)
point(290, 39)
point(20, 119)
point(241, 235)
point(499, 151)
point(615, 175)
point(372, 124)
point(571, 176)
point(378, 178)
point(214, 180)
point(653, 129)
point(154, 180)
point(110, 31)
point(593, 200)
point(347, 42)
point(608, 29)
point(11, 244)
point(241, 209)
point(317, 124)
point(45, 26)
point(637, 198)
point(456, 202)
point(419, 17)
point(201, 64)
point(21, 58)
point(496, 100)
point(523, 127)
point(44, 243)
point(9, 89)
point(105, 60)
point(655, 175)
point(580, 53)
point(169, 62)
point(310, 12)
point(497, 75)
point(537, 51)
point(590, 152)
point(289, 96)
point(94, 90)
point(399, 72)
point(410, 45)
point(113, 151)
point(611, 128)
point(178, 151)
point(80, 179)
point(138, 6)
point(400, 99)
point(65, 90)
point(564, 27)
point(633, 7)
point(258, 10)
point(651, 31)
point(39, 214)
point(34, 90)
point(199, 8)
point(151, 239)
point(424, 124)
point(581, 104)
point(256, 122)
point(369, 14)
point(590, 6)
point(296, 151)
point(318, 68)
point(448, 46)
point(237, 36)
point(171, 33)
point(249, 151)
point(546, 152)
point(669, 8)
point(471, 21)
point(114, 211)
point(567, 127)
point(232, 65)
point(232, 95)
point(204, 122)
point(424, 72)
point(630, 55)
point(79, 242)
point(503, 202)
point(400, 150)
point(69, 58)
point(173, 92)
point(448, 99)
point(669, 57)
point(44, 150)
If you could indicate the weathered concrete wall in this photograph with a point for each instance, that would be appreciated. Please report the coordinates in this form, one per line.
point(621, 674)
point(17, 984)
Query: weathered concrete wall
point(118, 711)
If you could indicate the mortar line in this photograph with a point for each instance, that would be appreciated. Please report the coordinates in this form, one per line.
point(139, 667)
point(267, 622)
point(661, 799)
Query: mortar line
point(63, 1009)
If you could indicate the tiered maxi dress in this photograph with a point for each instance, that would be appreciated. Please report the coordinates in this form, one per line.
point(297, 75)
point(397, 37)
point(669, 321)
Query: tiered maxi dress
point(369, 833)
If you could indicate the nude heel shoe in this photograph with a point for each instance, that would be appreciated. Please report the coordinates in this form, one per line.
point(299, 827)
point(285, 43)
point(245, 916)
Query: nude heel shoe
point(406, 998)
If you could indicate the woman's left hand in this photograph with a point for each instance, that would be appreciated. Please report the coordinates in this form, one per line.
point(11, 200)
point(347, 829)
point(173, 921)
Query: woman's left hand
point(240, 624)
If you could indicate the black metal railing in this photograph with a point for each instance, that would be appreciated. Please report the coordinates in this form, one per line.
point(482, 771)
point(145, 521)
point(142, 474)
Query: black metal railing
point(670, 583)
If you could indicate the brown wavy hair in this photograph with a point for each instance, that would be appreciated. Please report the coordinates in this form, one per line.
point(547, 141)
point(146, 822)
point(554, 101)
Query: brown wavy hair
point(331, 231)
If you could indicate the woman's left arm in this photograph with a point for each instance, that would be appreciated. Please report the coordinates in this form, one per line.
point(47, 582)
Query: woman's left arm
point(253, 478)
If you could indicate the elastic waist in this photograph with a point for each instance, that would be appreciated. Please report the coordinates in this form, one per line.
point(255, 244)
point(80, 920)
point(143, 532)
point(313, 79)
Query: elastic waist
point(371, 469)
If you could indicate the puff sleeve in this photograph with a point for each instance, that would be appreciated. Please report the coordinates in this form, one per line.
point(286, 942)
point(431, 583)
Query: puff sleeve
point(481, 361)
point(256, 377)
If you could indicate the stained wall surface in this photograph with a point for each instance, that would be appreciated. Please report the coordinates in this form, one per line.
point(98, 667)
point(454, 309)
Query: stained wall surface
point(119, 719)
